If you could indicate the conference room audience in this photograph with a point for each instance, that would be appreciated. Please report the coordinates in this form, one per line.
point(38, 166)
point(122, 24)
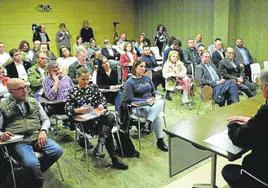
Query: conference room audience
point(36, 75)
point(127, 59)
point(66, 60)
point(17, 68)
point(175, 45)
point(43, 47)
point(21, 114)
point(4, 56)
point(107, 78)
point(140, 43)
point(3, 83)
point(78, 101)
point(223, 90)
point(86, 32)
point(78, 44)
point(122, 40)
point(140, 89)
point(82, 61)
point(161, 38)
point(191, 56)
point(250, 133)
point(243, 56)
point(151, 65)
point(230, 69)
point(218, 54)
point(175, 73)
point(198, 39)
point(63, 38)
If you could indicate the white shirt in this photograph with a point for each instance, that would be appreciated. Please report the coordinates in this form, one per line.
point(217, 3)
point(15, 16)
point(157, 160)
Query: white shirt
point(111, 52)
point(21, 71)
point(4, 57)
point(65, 63)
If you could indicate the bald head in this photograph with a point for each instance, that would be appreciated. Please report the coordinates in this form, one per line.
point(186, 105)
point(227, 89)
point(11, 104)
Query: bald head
point(229, 53)
point(17, 88)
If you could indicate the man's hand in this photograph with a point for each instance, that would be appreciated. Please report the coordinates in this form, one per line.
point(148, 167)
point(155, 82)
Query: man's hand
point(238, 119)
point(221, 81)
point(6, 136)
point(240, 80)
point(42, 139)
point(151, 100)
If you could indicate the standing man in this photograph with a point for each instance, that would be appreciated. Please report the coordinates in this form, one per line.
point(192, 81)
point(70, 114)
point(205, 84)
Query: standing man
point(86, 32)
point(223, 90)
point(41, 35)
point(25, 116)
point(230, 69)
point(250, 133)
point(243, 56)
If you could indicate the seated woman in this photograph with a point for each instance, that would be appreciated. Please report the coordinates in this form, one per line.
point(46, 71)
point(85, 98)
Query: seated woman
point(174, 70)
point(78, 100)
point(66, 60)
point(139, 89)
point(3, 83)
point(107, 78)
point(127, 59)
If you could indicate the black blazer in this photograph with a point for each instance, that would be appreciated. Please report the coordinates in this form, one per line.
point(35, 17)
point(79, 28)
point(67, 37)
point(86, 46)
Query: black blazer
point(216, 58)
point(228, 71)
point(12, 70)
point(105, 52)
point(254, 136)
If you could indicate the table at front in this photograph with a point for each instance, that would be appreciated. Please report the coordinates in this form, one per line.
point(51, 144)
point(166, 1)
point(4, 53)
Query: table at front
point(196, 130)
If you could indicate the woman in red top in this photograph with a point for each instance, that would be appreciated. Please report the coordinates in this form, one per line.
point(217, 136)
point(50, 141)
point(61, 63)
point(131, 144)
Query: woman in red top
point(127, 59)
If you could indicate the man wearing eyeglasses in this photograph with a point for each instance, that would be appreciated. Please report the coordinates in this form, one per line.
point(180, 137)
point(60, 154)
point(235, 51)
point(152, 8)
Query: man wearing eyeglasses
point(18, 68)
point(36, 75)
point(230, 69)
point(23, 115)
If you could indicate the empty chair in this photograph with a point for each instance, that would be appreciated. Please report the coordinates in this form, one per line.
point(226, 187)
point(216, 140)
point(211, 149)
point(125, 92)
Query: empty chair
point(255, 71)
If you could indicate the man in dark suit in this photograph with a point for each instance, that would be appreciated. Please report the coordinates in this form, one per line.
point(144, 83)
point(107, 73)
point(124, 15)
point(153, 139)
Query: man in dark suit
point(110, 52)
point(18, 68)
point(230, 69)
point(250, 133)
point(243, 56)
point(218, 54)
point(207, 74)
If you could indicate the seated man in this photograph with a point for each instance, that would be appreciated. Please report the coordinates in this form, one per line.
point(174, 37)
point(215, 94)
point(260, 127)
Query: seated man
point(250, 133)
point(207, 74)
point(152, 65)
point(25, 116)
point(230, 69)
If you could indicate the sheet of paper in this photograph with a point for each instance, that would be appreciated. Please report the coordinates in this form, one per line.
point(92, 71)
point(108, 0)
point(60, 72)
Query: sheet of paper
point(90, 115)
point(222, 140)
point(15, 138)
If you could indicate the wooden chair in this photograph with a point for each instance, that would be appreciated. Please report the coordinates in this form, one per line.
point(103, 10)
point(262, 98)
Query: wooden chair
point(206, 94)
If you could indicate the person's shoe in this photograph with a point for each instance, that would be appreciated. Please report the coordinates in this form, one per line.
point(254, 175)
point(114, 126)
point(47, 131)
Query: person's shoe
point(168, 97)
point(98, 151)
point(188, 106)
point(81, 142)
point(147, 127)
point(118, 164)
point(161, 145)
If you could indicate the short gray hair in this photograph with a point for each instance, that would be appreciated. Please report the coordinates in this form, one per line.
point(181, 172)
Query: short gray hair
point(264, 77)
point(52, 64)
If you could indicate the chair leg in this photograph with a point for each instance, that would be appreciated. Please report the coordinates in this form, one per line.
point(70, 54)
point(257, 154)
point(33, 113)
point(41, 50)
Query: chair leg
point(119, 140)
point(197, 113)
point(75, 141)
point(58, 165)
point(164, 118)
point(11, 167)
point(139, 132)
point(87, 158)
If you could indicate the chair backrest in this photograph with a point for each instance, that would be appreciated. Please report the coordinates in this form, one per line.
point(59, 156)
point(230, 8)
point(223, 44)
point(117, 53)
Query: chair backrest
point(255, 71)
point(155, 50)
point(244, 172)
point(94, 77)
point(265, 65)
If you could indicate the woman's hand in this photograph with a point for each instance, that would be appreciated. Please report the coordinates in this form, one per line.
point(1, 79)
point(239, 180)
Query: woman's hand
point(82, 110)
point(239, 119)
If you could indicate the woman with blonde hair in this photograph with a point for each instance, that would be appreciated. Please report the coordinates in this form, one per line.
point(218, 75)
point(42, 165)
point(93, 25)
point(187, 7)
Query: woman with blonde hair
point(174, 71)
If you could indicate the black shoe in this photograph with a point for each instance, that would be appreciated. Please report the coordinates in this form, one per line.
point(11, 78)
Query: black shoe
point(81, 142)
point(98, 151)
point(168, 97)
point(118, 164)
point(161, 145)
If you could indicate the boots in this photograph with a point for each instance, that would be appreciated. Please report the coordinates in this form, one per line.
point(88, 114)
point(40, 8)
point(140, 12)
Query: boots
point(161, 144)
point(168, 97)
point(118, 164)
point(98, 150)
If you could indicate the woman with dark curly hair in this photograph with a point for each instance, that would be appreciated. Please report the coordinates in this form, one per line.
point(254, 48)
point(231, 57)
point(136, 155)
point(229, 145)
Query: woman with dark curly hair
point(160, 37)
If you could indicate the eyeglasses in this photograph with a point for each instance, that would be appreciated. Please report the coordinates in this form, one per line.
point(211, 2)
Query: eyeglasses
point(21, 88)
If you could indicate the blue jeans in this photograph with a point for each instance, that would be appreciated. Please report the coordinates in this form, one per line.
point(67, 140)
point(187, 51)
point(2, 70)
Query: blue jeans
point(32, 167)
